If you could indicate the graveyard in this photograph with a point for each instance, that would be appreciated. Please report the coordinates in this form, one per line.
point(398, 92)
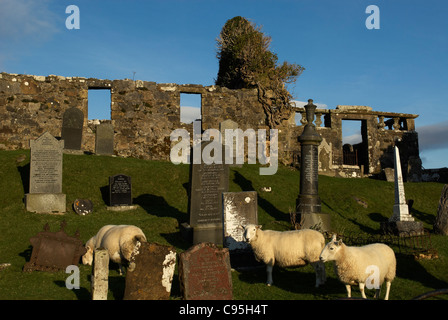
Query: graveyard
point(160, 200)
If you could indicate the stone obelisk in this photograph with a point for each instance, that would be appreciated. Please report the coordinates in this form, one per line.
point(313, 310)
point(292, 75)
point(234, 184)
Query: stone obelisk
point(308, 203)
point(401, 223)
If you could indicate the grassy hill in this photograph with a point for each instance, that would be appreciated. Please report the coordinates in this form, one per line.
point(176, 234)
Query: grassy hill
point(160, 191)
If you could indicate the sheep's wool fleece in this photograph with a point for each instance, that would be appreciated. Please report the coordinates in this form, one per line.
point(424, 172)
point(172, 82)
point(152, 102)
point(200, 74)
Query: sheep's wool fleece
point(288, 248)
point(352, 262)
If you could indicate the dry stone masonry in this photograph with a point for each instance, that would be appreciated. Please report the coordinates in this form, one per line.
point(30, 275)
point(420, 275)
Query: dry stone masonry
point(143, 115)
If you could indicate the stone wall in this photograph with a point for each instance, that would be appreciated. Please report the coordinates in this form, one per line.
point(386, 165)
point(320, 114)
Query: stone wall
point(145, 113)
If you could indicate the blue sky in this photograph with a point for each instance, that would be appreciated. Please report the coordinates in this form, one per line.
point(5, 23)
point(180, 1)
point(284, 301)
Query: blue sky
point(400, 67)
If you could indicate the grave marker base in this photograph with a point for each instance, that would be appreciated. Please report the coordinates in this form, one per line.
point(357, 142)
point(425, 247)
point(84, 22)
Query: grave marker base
point(46, 202)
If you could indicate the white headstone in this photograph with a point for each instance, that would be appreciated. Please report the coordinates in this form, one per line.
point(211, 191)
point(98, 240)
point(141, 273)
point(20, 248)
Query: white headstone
point(401, 210)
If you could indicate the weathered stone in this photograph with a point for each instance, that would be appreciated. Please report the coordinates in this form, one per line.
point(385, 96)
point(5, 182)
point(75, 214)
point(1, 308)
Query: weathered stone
point(150, 272)
point(72, 125)
point(45, 194)
point(239, 209)
point(441, 223)
point(207, 183)
point(104, 143)
point(204, 273)
point(100, 274)
point(54, 251)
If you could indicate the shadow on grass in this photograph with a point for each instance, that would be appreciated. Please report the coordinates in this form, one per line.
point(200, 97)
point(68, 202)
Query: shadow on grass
point(246, 185)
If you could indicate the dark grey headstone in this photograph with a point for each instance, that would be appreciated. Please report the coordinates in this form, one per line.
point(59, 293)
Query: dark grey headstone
point(72, 124)
point(104, 143)
point(120, 190)
point(207, 182)
point(441, 223)
point(46, 164)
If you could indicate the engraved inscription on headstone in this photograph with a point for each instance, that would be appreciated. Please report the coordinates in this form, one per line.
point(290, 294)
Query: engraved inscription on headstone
point(46, 165)
point(204, 273)
point(120, 190)
point(104, 144)
point(72, 124)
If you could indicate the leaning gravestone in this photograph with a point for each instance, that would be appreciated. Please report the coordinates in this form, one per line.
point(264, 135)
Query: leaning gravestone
point(45, 193)
point(239, 210)
point(72, 124)
point(441, 224)
point(150, 272)
point(54, 251)
point(207, 183)
point(204, 273)
point(104, 139)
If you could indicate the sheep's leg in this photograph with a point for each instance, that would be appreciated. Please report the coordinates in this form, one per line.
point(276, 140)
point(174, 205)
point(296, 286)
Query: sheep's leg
point(120, 269)
point(388, 283)
point(349, 290)
point(269, 268)
point(361, 288)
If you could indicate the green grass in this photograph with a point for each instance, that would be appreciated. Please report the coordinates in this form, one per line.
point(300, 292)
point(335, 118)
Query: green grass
point(160, 190)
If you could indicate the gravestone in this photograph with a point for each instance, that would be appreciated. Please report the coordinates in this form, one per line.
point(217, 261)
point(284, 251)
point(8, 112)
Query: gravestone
point(54, 251)
point(104, 139)
point(207, 183)
point(401, 223)
point(308, 203)
point(239, 210)
point(72, 124)
point(120, 190)
point(100, 274)
point(150, 272)
point(204, 273)
point(45, 190)
point(441, 223)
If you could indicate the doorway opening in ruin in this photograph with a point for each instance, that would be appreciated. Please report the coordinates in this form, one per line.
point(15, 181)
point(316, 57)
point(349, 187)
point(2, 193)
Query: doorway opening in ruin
point(354, 143)
point(99, 104)
point(190, 107)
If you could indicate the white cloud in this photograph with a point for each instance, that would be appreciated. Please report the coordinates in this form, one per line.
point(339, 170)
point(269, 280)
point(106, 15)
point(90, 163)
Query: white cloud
point(27, 19)
point(303, 103)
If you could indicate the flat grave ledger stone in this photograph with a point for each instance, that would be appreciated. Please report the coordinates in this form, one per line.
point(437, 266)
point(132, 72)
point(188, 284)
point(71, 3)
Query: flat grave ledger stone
point(54, 251)
point(45, 189)
point(204, 273)
point(72, 124)
point(104, 139)
point(150, 272)
point(120, 190)
point(239, 210)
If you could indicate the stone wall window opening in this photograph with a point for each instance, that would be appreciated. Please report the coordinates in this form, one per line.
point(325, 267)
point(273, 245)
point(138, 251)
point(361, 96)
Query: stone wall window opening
point(190, 107)
point(99, 104)
point(354, 143)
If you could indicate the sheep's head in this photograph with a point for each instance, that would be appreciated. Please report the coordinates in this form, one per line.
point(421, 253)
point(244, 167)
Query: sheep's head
point(250, 232)
point(87, 258)
point(330, 250)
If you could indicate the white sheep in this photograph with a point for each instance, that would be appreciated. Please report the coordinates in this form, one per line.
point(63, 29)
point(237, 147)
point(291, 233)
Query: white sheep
point(370, 264)
point(120, 241)
point(287, 249)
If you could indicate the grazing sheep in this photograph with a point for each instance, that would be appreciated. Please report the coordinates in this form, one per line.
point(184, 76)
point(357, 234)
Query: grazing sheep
point(370, 264)
point(287, 249)
point(119, 241)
